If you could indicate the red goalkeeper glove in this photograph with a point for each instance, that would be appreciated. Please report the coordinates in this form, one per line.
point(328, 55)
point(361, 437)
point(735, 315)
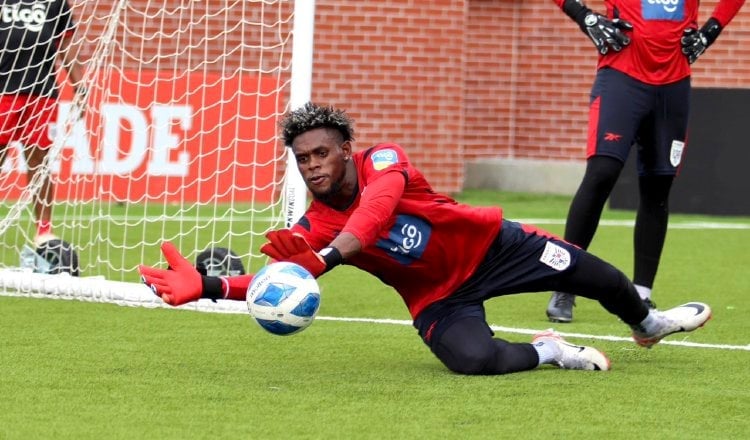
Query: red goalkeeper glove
point(179, 284)
point(284, 245)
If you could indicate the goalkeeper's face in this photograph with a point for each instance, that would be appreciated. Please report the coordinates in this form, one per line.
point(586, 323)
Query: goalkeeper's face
point(323, 160)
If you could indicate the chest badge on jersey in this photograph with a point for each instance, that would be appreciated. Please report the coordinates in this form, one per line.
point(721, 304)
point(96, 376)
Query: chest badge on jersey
point(383, 159)
point(673, 10)
point(556, 257)
point(407, 239)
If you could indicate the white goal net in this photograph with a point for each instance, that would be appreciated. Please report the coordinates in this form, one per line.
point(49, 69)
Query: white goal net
point(178, 140)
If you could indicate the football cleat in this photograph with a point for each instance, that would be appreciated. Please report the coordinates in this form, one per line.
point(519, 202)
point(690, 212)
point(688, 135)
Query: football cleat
point(574, 357)
point(684, 318)
point(560, 307)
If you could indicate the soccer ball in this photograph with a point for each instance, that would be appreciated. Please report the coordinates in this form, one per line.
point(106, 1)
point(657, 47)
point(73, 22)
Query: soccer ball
point(283, 298)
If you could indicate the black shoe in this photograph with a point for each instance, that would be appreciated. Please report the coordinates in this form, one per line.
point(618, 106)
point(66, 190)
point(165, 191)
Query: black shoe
point(650, 304)
point(560, 307)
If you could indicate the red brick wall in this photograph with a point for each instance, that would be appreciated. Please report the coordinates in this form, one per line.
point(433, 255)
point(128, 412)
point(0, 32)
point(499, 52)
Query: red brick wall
point(526, 75)
point(450, 80)
point(539, 83)
point(398, 66)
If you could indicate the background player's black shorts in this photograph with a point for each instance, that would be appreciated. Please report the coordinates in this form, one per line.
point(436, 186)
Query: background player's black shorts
point(624, 112)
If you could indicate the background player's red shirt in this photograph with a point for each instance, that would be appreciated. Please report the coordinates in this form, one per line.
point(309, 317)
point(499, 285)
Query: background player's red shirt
point(654, 55)
point(425, 248)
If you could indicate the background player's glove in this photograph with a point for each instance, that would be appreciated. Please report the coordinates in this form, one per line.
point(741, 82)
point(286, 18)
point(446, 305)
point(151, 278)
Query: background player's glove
point(284, 245)
point(604, 33)
point(696, 41)
point(179, 284)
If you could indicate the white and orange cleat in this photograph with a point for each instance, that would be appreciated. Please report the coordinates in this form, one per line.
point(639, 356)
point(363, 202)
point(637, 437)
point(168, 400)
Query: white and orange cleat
point(684, 318)
point(574, 357)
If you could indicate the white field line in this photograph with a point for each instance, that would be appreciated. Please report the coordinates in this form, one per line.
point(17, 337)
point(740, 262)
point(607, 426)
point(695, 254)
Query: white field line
point(536, 221)
point(526, 331)
point(630, 223)
point(239, 307)
point(532, 221)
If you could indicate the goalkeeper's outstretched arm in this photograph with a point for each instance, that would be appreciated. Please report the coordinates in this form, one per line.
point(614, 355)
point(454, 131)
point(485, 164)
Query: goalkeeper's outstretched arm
point(181, 283)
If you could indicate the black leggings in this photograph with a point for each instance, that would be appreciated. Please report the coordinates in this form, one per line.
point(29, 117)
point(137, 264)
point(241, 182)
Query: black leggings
point(464, 343)
point(651, 220)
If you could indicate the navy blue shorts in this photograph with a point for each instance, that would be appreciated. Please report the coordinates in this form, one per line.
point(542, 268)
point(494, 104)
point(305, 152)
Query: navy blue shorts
point(521, 259)
point(624, 111)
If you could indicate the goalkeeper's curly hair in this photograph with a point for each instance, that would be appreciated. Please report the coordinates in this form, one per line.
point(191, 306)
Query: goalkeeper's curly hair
point(311, 116)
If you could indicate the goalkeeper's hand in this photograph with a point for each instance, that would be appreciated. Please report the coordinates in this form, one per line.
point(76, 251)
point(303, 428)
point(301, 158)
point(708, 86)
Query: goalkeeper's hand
point(284, 245)
point(695, 41)
point(180, 284)
point(605, 33)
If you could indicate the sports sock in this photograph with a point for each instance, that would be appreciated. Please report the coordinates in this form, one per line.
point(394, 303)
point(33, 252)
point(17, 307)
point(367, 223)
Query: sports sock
point(643, 291)
point(650, 323)
point(43, 227)
point(548, 351)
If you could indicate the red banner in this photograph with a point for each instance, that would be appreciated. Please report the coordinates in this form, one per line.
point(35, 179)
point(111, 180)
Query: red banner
point(192, 138)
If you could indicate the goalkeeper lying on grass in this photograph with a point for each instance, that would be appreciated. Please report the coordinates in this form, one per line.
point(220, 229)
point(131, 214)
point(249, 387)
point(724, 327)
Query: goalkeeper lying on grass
point(372, 209)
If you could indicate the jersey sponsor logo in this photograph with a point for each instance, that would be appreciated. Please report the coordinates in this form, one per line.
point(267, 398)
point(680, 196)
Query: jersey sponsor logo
point(555, 256)
point(675, 153)
point(383, 159)
point(24, 16)
point(407, 239)
point(673, 10)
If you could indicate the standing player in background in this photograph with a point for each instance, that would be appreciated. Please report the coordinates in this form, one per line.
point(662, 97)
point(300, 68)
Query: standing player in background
point(374, 210)
point(34, 36)
point(641, 96)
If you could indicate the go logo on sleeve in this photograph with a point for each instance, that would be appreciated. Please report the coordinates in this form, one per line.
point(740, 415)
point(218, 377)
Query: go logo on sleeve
point(407, 239)
point(383, 159)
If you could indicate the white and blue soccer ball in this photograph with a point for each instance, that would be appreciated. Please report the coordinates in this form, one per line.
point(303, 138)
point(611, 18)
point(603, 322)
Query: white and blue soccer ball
point(283, 298)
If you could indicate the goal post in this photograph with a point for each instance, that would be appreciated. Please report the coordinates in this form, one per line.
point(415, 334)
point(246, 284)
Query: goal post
point(302, 62)
point(179, 142)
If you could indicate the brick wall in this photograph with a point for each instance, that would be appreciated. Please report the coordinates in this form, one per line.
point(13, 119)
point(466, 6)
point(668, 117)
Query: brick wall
point(450, 80)
point(398, 66)
point(539, 84)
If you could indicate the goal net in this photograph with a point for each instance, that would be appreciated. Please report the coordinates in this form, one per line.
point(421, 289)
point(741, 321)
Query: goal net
point(177, 141)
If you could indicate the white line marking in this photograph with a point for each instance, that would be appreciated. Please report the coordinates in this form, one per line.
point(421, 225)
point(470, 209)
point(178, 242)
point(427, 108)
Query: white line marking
point(233, 217)
point(525, 331)
point(239, 308)
point(630, 223)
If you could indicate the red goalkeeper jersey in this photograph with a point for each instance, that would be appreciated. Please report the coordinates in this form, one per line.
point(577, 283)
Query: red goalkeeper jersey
point(424, 248)
point(654, 55)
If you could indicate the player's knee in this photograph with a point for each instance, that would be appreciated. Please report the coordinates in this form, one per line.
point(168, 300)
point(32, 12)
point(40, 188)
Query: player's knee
point(470, 366)
point(469, 360)
point(602, 173)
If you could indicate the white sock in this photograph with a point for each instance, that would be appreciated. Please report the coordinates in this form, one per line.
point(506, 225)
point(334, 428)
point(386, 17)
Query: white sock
point(548, 351)
point(643, 291)
point(650, 323)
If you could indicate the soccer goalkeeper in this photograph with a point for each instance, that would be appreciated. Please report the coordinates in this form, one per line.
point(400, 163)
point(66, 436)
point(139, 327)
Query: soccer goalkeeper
point(374, 210)
point(641, 95)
